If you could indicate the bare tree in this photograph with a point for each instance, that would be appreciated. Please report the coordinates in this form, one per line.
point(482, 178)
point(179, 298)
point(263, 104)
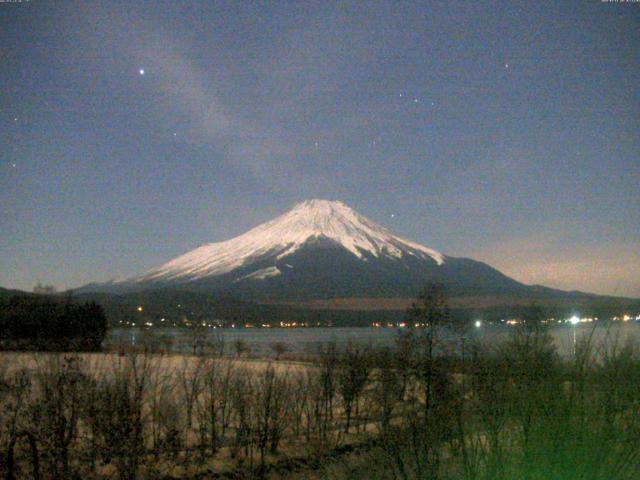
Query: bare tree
point(431, 313)
point(198, 338)
point(189, 378)
point(299, 400)
point(279, 348)
point(214, 403)
point(118, 414)
point(241, 403)
point(165, 417)
point(15, 392)
point(56, 412)
point(328, 359)
point(387, 389)
point(271, 400)
point(241, 347)
point(352, 376)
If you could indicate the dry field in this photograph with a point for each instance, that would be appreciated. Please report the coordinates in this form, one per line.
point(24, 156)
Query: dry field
point(391, 413)
point(179, 415)
point(96, 364)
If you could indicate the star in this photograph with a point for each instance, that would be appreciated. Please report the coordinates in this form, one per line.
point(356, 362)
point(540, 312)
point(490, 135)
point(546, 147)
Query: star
point(13, 165)
point(175, 134)
point(415, 100)
point(506, 65)
point(15, 119)
point(393, 215)
point(142, 71)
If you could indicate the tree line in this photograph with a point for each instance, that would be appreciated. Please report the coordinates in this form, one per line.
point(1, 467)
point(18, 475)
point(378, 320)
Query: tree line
point(39, 322)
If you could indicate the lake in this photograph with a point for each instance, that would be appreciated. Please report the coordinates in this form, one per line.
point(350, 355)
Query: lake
point(305, 340)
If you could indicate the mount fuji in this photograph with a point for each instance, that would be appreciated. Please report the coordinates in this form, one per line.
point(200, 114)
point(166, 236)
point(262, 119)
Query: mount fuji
point(318, 250)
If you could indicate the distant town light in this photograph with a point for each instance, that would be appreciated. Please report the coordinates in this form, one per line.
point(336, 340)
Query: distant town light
point(140, 309)
point(478, 323)
point(574, 320)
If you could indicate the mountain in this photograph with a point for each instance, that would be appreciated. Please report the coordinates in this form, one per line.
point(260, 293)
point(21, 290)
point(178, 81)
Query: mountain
point(322, 250)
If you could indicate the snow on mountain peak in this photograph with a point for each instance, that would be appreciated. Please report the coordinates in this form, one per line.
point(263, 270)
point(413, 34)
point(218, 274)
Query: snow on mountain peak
point(284, 235)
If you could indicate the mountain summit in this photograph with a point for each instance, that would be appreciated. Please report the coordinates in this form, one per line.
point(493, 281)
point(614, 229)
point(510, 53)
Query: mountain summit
point(317, 250)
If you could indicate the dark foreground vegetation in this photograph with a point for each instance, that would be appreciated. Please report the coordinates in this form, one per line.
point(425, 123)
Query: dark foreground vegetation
point(45, 322)
point(435, 406)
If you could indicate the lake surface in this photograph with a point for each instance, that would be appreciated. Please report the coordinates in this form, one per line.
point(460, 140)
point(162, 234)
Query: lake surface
point(305, 340)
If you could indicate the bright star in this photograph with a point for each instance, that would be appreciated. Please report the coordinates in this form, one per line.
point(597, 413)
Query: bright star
point(506, 65)
point(141, 71)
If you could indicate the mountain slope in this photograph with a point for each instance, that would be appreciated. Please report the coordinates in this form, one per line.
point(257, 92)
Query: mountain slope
point(319, 250)
point(284, 236)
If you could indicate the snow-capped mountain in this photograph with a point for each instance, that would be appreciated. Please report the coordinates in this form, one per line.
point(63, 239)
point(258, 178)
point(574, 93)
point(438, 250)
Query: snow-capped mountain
point(279, 238)
point(318, 249)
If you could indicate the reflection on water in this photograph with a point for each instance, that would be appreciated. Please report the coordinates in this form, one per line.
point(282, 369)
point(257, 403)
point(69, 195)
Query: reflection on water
point(305, 340)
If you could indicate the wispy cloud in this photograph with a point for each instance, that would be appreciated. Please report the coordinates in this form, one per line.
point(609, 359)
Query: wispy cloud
point(248, 144)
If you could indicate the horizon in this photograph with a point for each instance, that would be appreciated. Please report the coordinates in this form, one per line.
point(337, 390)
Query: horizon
point(137, 132)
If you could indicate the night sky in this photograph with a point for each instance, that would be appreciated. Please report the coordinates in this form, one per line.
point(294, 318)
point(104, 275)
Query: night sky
point(131, 132)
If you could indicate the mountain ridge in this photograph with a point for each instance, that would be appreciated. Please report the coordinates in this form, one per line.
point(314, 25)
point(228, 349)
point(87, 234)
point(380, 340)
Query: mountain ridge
point(320, 250)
